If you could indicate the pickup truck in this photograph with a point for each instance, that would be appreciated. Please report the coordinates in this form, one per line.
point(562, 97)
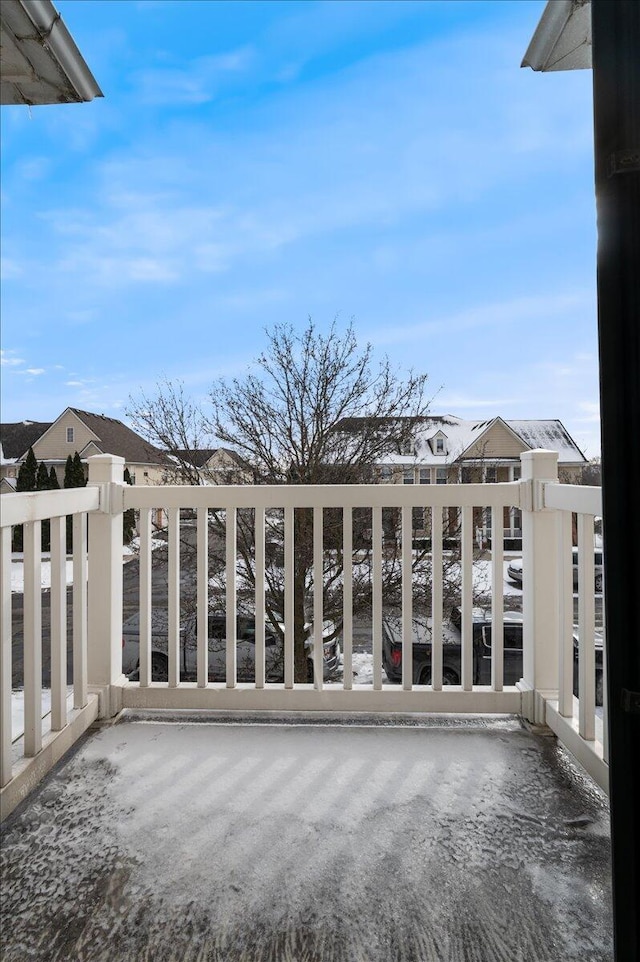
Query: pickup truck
point(217, 649)
point(452, 651)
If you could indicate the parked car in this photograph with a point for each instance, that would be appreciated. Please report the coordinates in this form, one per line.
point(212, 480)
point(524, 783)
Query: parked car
point(217, 646)
point(514, 570)
point(452, 651)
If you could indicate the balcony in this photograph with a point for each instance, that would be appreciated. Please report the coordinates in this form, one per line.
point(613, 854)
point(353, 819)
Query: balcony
point(342, 818)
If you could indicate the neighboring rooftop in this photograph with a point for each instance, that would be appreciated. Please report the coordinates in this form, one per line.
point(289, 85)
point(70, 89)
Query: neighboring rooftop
point(462, 434)
point(114, 437)
point(16, 439)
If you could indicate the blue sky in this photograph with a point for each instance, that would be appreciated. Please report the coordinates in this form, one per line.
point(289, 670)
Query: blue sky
point(254, 163)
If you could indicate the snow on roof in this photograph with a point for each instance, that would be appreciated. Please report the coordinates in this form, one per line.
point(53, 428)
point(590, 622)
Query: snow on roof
point(461, 434)
point(551, 435)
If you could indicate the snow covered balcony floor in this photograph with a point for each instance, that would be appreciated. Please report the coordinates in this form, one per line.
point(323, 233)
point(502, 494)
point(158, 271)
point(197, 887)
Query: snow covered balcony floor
point(185, 837)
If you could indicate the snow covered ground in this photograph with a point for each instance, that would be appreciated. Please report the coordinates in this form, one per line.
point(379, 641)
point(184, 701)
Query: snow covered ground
point(17, 711)
point(17, 573)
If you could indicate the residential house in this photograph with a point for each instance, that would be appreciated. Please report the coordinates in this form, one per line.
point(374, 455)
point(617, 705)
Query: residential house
point(212, 466)
point(446, 449)
point(86, 433)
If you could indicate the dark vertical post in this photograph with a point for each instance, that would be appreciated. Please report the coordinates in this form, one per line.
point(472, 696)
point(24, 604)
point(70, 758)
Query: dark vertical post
point(616, 84)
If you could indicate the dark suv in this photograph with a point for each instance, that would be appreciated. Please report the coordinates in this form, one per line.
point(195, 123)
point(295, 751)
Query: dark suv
point(452, 651)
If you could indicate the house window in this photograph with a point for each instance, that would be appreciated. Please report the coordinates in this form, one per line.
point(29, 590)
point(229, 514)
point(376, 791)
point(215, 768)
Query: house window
point(407, 476)
point(145, 474)
point(425, 475)
point(439, 445)
point(517, 472)
point(491, 475)
point(441, 475)
point(70, 436)
point(385, 473)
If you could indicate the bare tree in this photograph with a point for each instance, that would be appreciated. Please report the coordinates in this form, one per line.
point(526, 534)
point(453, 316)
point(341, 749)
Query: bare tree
point(174, 423)
point(290, 419)
point(314, 408)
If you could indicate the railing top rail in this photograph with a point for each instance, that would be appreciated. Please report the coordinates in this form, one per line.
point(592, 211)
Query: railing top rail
point(506, 494)
point(37, 505)
point(573, 497)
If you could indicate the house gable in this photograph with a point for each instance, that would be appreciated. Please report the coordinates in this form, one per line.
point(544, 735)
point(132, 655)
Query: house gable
point(54, 444)
point(90, 449)
point(497, 441)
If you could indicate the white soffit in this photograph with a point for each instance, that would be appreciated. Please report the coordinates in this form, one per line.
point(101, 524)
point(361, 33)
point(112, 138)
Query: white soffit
point(562, 40)
point(39, 60)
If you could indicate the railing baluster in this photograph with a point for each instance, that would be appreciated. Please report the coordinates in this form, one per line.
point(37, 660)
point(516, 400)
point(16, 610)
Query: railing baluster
point(605, 698)
point(347, 598)
point(32, 639)
point(5, 664)
point(407, 600)
point(231, 601)
point(80, 573)
point(202, 631)
point(497, 598)
point(173, 588)
point(586, 629)
point(318, 615)
point(58, 534)
point(146, 589)
point(376, 552)
point(260, 605)
point(565, 615)
point(289, 549)
point(436, 598)
point(467, 597)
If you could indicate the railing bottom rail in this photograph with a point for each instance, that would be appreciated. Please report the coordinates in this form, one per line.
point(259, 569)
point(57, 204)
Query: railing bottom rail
point(306, 698)
point(28, 772)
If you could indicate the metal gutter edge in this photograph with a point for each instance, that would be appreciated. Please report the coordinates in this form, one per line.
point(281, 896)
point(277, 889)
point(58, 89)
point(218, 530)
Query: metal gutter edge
point(556, 19)
point(57, 38)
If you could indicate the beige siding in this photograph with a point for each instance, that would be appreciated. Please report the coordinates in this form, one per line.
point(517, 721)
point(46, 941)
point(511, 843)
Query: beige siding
point(148, 473)
point(53, 445)
point(497, 442)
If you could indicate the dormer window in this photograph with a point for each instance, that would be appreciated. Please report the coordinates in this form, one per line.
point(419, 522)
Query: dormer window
point(439, 445)
point(70, 437)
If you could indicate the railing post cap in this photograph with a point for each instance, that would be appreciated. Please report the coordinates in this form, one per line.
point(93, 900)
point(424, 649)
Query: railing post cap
point(106, 467)
point(539, 464)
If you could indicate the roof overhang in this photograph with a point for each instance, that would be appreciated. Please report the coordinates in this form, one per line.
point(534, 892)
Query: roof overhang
point(41, 63)
point(562, 40)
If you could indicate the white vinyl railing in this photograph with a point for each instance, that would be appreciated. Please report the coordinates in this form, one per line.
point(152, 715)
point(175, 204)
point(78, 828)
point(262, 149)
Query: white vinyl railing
point(286, 500)
point(544, 693)
point(30, 510)
point(580, 719)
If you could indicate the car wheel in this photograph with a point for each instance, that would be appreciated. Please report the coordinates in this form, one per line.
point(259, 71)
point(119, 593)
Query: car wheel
point(598, 583)
point(449, 677)
point(159, 668)
point(425, 677)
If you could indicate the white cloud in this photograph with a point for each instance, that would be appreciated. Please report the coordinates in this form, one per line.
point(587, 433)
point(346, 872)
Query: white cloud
point(35, 370)
point(11, 269)
point(513, 313)
point(196, 82)
point(8, 359)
